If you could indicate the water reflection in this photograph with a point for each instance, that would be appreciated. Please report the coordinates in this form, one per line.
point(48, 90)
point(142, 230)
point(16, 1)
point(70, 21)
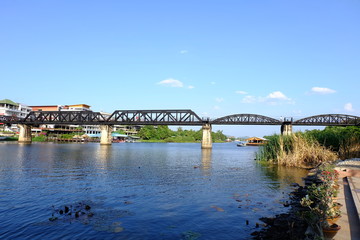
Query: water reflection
point(103, 155)
point(284, 175)
point(206, 158)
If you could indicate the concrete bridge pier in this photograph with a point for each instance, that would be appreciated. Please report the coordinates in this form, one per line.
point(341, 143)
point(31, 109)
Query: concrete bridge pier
point(206, 142)
point(105, 137)
point(25, 133)
point(286, 129)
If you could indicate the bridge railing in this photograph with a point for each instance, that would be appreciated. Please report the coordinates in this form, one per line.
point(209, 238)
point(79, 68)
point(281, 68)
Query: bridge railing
point(10, 119)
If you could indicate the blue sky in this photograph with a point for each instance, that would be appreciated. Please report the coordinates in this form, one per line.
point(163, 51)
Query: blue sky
point(274, 58)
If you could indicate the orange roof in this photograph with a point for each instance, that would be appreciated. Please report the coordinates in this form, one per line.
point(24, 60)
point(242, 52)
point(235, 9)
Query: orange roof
point(56, 107)
point(80, 105)
point(256, 138)
point(45, 108)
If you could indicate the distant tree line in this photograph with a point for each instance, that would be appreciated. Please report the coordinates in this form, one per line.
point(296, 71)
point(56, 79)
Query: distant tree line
point(165, 134)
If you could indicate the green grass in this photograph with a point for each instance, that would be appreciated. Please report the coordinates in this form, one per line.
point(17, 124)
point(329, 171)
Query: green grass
point(39, 139)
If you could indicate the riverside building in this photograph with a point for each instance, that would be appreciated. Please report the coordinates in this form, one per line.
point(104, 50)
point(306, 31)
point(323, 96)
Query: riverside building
point(57, 129)
point(11, 108)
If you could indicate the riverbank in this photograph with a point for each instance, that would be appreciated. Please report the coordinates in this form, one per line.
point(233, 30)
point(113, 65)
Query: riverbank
point(291, 225)
point(283, 226)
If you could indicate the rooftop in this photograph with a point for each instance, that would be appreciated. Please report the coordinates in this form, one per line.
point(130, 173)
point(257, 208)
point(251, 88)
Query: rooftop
point(9, 102)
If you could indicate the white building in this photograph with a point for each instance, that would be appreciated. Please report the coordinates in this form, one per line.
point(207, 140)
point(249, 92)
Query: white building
point(10, 108)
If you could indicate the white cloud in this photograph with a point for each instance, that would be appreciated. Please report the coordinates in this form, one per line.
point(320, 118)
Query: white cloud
point(273, 98)
point(348, 107)
point(241, 92)
point(190, 87)
point(216, 107)
point(277, 95)
point(212, 83)
point(170, 82)
point(184, 51)
point(249, 99)
point(322, 90)
point(219, 100)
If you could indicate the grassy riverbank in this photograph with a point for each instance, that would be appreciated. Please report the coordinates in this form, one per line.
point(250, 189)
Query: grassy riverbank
point(312, 148)
point(10, 139)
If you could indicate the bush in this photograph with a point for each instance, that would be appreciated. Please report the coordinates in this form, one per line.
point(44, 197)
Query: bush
point(343, 140)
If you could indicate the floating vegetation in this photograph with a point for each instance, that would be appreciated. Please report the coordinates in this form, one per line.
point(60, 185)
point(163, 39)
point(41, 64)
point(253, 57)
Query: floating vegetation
point(78, 211)
point(219, 209)
point(190, 235)
point(108, 220)
point(114, 227)
point(100, 218)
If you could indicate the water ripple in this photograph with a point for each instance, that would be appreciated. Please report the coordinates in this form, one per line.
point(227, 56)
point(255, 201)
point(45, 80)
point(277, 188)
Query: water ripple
point(137, 191)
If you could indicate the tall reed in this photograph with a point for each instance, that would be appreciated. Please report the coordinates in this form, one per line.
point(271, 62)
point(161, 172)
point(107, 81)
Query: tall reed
point(296, 150)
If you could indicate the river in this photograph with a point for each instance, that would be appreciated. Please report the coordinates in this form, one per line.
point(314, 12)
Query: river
point(137, 191)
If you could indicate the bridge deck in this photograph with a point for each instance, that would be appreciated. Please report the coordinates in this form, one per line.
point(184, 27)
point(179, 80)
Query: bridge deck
point(170, 117)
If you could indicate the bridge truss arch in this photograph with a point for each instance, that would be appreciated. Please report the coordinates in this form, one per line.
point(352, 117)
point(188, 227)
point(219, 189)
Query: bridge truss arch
point(246, 119)
point(64, 117)
point(155, 117)
point(57, 117)
point(329, 120)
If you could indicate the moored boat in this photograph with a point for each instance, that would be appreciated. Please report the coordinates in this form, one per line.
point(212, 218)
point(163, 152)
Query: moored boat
point(241, 144)
point(256, 141)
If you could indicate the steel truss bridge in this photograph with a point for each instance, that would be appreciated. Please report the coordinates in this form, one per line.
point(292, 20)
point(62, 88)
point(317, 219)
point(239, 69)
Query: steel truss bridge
point(171, 117)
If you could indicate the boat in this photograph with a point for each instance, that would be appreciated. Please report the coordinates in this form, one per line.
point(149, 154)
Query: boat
point(3, 138)
point(256, 141)
point(241, 144)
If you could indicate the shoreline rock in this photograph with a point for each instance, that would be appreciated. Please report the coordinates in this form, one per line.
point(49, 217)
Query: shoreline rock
point(289, 225)
point(286, 225)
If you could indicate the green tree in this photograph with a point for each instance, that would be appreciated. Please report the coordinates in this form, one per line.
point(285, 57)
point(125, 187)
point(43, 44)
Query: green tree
point(163, 132)
point(147, 132)
point(120, 131)
point(218, 136)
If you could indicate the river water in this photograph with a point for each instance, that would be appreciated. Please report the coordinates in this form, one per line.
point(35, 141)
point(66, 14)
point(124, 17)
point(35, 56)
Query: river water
point(137, 191)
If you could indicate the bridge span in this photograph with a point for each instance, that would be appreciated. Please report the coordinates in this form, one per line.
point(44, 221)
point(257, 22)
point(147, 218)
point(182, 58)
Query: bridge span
point(165, 117)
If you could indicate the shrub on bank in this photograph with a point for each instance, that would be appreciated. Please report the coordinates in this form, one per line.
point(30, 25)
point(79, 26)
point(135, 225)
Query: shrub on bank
point(343, 140)
point(322, 211)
